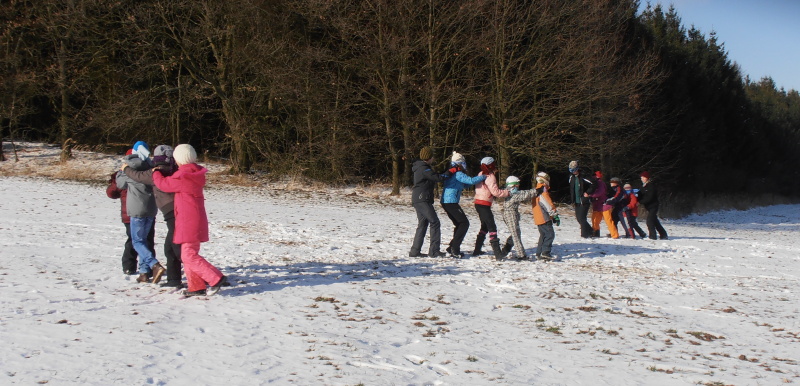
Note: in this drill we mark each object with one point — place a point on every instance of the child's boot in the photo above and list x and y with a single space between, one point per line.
498 252
507 247
479 244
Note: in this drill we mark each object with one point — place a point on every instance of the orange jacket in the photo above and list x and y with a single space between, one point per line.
543 209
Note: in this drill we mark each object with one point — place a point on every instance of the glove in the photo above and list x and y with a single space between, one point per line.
539 191
557 220
513 191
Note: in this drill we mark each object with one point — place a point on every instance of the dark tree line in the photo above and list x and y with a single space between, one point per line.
345 91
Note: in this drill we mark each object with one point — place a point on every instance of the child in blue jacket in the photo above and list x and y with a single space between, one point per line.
453 186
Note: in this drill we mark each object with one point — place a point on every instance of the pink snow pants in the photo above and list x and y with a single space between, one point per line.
199 272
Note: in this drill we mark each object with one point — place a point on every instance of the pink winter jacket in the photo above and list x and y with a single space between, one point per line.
487 190
191 222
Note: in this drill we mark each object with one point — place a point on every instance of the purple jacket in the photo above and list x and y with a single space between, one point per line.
599 196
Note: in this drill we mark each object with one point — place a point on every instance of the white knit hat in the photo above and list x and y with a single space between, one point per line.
543 178
457 158
487 161
184 154
512 180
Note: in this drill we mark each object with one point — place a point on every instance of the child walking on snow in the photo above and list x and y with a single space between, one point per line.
485 192
631 212
191 221
544 215
453 186
511 216
141 206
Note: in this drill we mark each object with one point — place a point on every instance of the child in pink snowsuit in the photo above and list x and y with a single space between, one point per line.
191 222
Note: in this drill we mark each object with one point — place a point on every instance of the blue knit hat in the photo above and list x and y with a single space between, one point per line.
141 149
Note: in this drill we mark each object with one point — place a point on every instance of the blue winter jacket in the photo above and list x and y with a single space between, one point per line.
455 184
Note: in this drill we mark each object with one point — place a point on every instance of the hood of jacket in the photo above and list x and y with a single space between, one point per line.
194 175
137 163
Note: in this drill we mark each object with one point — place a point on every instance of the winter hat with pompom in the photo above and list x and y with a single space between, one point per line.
184 154
457 158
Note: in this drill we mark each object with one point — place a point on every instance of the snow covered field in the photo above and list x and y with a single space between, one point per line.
324 295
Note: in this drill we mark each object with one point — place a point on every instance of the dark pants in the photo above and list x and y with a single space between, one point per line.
653 225
173 252
622 216
487 221
426 216
129 254
546 236
461 224
581 214
634 225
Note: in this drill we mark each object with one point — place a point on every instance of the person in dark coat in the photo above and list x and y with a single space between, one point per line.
648 196
581 187
162 158
425 179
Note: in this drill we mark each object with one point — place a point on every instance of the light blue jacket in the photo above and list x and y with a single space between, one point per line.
455 184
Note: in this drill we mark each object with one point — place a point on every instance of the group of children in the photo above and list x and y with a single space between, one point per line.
455 180
615 204
172 182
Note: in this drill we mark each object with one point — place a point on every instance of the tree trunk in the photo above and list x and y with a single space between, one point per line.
63 119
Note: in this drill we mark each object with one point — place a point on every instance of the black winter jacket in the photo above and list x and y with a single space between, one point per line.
425 179
580 184
648 195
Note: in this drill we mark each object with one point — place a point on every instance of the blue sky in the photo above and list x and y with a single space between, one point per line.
762 36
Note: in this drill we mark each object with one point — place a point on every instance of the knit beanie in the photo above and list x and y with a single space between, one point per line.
184 154
141 149
512 180
645 175
543 178
616 180
573 166
425 153
457 158
162 155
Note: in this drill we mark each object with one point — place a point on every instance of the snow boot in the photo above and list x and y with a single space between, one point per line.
143 278
596 233
479 244
188 293
498 252
215 288
507 247
454 253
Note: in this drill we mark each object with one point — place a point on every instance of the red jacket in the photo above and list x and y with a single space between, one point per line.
633 205
112 191
191 222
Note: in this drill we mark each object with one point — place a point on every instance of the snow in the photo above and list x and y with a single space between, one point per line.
324 293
